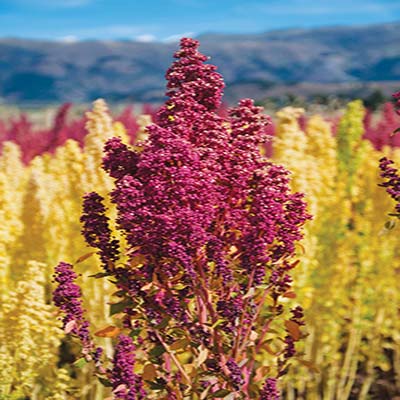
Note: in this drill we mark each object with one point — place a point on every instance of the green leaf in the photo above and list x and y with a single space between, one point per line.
135 333
179 286
119 293
157 351
163 324
80 363
216 323
104 381
116 308
99 275
219 394
158 385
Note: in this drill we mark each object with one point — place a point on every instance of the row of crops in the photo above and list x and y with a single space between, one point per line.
202 275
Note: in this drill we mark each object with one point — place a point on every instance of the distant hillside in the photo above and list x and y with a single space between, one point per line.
277 62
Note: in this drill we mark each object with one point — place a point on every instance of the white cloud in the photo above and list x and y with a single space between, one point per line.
145 38
68 39
116 32
177 37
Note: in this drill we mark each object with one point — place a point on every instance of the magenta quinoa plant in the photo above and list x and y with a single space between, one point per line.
391 183
391 174
203 283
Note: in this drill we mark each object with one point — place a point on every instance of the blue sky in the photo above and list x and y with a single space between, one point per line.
166 20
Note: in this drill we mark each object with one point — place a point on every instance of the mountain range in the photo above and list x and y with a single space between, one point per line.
300 61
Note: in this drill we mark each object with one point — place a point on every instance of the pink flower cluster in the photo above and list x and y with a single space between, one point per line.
380 133
35 141
396 96
269 391
67 297
96 230
126 384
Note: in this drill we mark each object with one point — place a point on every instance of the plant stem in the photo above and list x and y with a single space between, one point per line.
173 358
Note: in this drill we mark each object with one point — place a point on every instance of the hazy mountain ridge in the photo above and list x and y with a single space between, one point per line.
32 70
